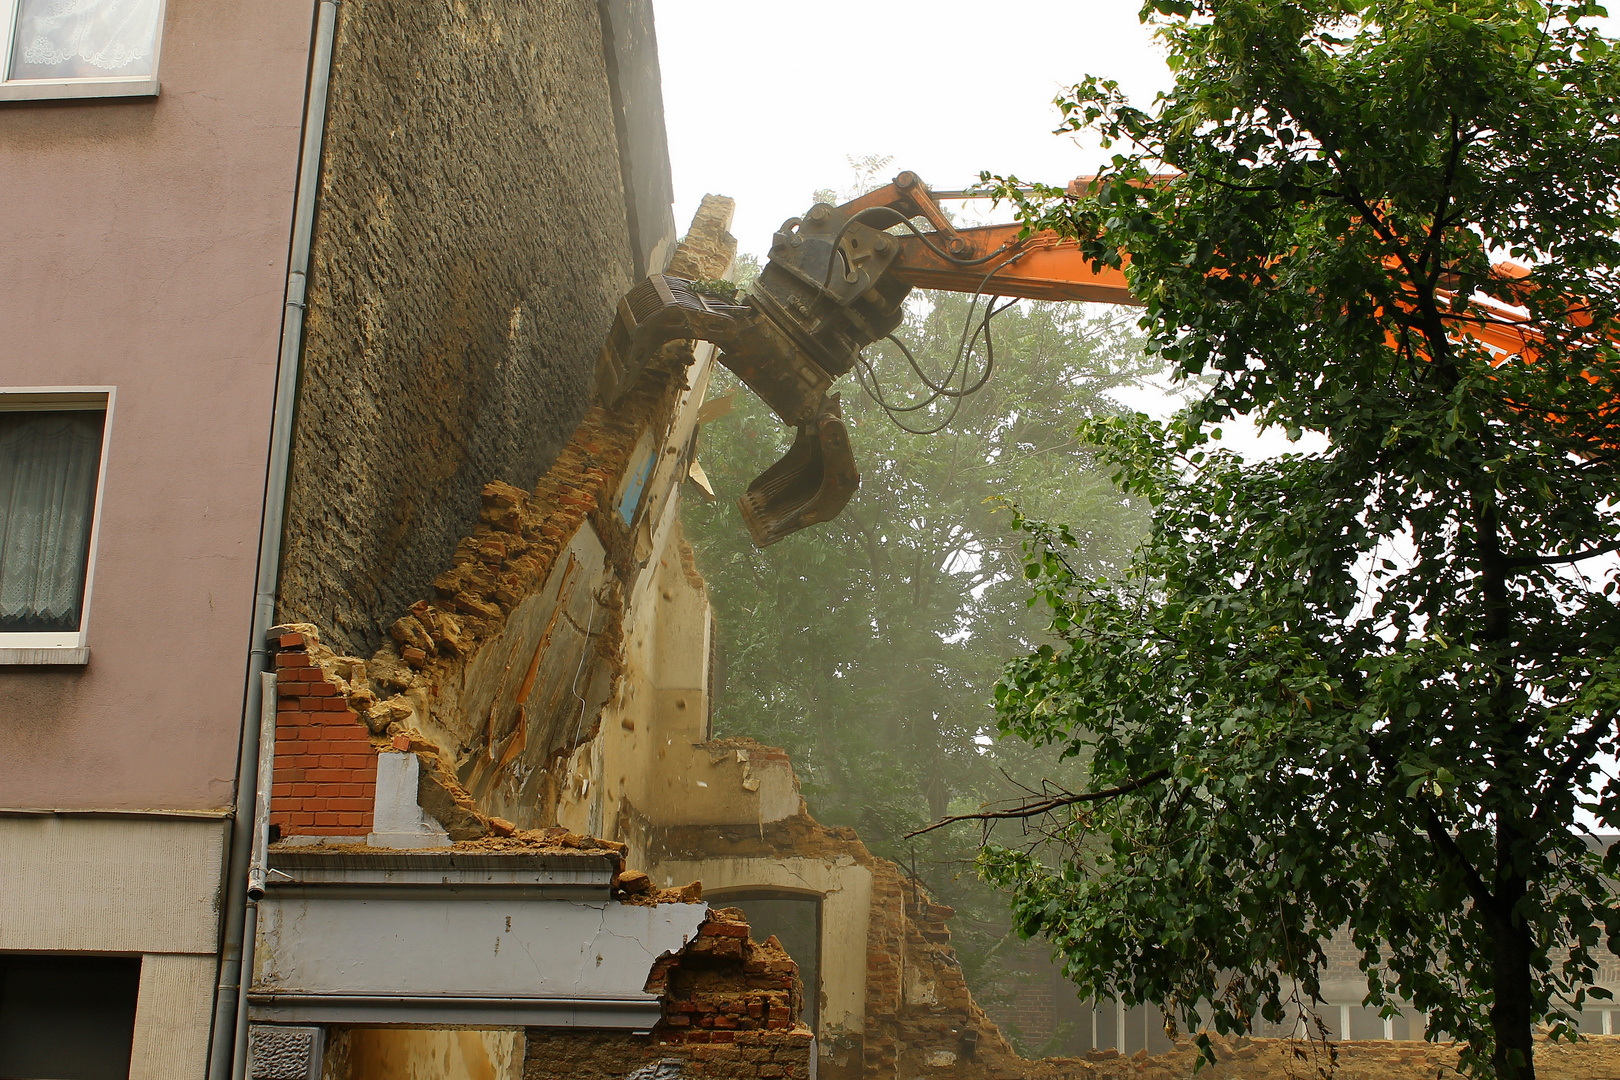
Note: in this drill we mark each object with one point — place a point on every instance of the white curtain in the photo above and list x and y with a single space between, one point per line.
48 466
75 39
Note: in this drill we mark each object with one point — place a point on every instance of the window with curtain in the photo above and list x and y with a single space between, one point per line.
49 463
107 40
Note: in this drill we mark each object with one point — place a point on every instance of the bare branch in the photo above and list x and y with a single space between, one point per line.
1046 806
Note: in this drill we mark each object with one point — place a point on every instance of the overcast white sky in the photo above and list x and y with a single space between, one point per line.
764 100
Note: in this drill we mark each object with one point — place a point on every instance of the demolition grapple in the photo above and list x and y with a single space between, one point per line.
835 283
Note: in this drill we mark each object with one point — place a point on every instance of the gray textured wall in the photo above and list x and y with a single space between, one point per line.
471 243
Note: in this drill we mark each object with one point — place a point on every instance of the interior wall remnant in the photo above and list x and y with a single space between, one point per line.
732 860
499 680
794 919
419 1054
895 1003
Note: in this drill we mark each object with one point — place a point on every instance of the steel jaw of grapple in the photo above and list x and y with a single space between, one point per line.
658 310
811 482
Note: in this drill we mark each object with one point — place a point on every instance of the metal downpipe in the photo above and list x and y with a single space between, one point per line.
236 951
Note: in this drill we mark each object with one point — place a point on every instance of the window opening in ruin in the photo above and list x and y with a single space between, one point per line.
51 467
67 1017
795 919
79 48
636 484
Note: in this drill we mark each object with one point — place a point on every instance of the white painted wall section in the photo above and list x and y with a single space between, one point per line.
483 948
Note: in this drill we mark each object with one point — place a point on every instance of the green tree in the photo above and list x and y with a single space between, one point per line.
1369 685
868 646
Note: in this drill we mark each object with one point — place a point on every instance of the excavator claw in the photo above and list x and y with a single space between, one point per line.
811 482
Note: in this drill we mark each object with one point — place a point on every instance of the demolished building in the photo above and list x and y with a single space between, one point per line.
500 838
550 697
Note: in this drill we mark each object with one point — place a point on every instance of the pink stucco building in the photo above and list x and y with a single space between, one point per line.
167 201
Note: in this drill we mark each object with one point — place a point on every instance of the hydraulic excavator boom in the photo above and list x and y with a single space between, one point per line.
836 282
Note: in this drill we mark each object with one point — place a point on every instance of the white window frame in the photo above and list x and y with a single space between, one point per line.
86 87
70 646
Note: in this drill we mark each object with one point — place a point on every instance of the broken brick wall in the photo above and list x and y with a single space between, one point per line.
723 982
471 243
553 1054
325 778
919 1016
502 669
729 1010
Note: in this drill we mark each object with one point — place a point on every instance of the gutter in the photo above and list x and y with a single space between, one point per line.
236 951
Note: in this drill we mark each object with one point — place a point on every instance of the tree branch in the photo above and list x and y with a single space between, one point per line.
1047 805
1583 746
1431 254
1553 560
1448 849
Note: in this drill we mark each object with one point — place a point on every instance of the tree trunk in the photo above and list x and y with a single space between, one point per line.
1513 1057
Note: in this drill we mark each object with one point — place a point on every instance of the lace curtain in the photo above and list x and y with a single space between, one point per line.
48 466
77 39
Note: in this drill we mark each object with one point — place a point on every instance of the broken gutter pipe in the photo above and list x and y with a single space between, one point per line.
224 1062
267 768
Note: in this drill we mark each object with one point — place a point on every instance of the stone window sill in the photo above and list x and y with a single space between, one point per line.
77 657
56 89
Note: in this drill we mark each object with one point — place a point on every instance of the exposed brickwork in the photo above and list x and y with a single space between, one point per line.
408 689
325 781
724 982
918 1006
513 552
510 556
1032 1012
553 1054
708 248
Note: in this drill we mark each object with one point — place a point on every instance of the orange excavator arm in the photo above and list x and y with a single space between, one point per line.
988 259
836 281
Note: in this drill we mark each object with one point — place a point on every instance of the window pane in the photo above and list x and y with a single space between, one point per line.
84 39
67 1017
48 466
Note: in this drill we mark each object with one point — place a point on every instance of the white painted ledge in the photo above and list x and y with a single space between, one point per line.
36 657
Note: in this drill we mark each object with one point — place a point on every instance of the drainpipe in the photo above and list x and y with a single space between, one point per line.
235 945
258 863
